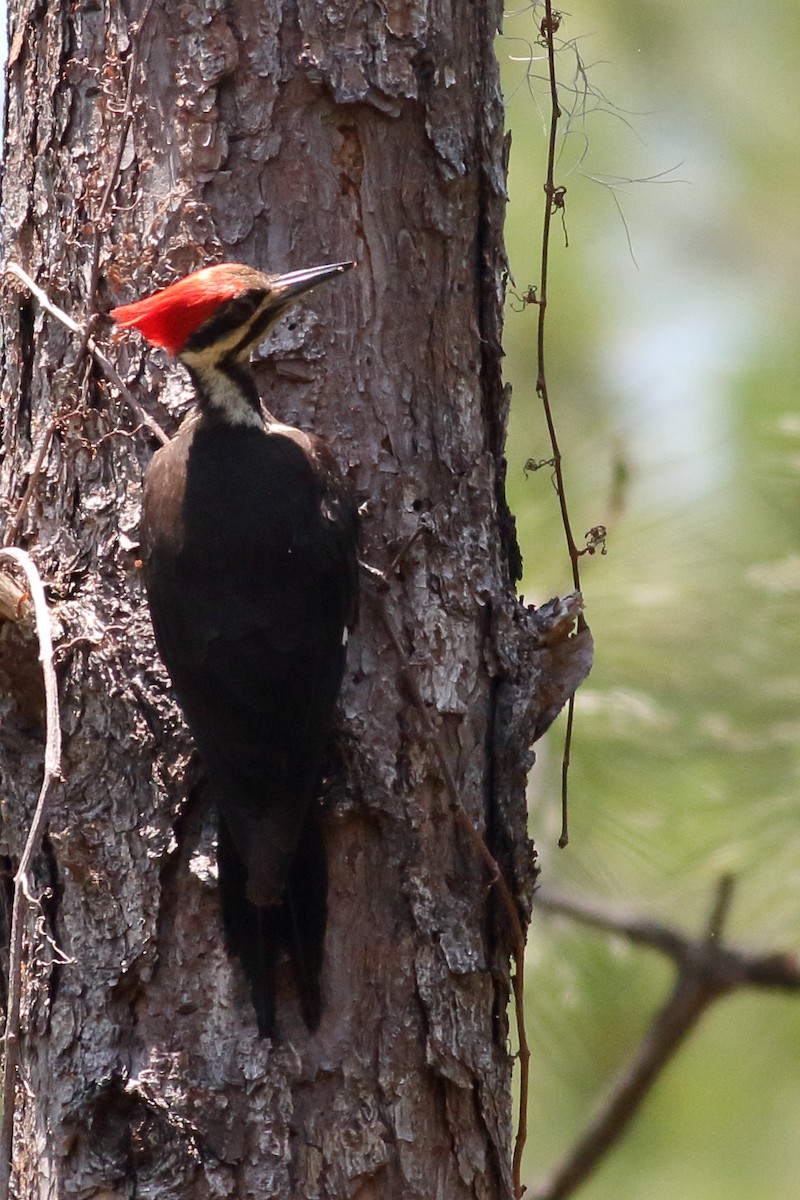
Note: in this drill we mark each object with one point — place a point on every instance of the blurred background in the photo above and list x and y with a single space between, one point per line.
672 365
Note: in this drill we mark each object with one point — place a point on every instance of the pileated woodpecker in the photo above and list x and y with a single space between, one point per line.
249 542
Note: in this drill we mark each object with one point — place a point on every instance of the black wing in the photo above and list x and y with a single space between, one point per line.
249 543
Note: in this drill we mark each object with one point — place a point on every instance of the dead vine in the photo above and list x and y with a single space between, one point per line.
23 898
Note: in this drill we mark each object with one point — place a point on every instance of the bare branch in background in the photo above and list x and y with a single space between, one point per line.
706 970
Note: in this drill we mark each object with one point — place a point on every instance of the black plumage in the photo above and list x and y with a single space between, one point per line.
249 542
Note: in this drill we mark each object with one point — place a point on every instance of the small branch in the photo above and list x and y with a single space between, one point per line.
706 970
22 886
554 198
496 878
12 529
722 907
554 202
107 367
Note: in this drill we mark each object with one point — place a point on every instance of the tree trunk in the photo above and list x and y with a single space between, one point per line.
282 139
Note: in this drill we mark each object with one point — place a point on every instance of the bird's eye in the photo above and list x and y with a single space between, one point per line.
231 316
241 308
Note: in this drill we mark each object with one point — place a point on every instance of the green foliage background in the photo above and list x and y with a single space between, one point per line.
673 366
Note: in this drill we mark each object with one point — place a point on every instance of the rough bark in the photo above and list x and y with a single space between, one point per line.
281 136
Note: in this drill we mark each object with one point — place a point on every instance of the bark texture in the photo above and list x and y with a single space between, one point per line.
284 136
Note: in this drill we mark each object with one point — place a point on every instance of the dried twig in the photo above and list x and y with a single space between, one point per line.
105 365
496 878
706 970
22 885
554 202
12 528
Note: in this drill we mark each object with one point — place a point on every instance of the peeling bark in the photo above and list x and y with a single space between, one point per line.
281 137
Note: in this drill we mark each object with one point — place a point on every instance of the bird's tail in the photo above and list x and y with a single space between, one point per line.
307 913
259 934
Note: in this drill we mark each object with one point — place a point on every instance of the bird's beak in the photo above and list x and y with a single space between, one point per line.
285 288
